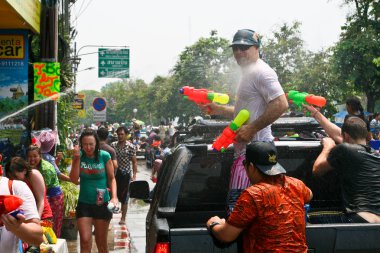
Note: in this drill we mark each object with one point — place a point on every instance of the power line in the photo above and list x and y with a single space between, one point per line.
80 14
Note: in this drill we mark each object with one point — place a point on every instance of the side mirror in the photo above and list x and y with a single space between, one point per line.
139 190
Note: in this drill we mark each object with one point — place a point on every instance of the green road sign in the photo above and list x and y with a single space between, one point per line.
113 63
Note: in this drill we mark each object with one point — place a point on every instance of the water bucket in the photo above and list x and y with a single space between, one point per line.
375 144
69 229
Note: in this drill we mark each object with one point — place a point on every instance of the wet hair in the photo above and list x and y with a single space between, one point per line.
122 128
102 133
34 147
91 132
355 127
355 105
17 164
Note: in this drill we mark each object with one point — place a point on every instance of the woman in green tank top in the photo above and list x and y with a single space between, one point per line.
95 169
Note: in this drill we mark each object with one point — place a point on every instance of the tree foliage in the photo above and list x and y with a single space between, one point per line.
285 52
356 52
350 67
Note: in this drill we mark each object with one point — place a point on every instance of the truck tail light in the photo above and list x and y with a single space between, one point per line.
162 247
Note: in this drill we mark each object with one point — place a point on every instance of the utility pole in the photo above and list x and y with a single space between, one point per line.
46 114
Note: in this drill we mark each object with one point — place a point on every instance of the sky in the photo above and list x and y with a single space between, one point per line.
157 31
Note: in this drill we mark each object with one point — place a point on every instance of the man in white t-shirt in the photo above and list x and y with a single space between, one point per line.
26 227
261 94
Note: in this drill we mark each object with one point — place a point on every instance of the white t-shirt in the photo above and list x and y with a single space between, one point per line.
258 86
8 241
171 131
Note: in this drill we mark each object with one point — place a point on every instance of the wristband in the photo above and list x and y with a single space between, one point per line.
213 224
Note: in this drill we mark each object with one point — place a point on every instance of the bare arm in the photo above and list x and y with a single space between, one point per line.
64 177
321 165
331 129
29 231
74 173
223 232
38 188
111 181
275 109
215 109
115 165
134 167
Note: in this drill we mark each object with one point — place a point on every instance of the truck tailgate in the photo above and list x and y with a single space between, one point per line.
185 240
343 238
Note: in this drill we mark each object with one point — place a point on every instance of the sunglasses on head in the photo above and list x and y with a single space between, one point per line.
241 47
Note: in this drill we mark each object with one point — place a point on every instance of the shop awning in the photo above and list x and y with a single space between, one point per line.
16 14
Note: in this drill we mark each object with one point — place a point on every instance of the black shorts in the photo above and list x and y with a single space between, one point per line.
93 211
122 183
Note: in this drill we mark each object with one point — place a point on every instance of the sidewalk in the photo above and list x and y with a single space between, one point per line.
118 239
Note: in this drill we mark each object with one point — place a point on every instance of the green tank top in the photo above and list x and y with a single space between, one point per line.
93 176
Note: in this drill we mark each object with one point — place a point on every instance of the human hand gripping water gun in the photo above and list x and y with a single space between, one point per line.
300 98
203 96
10 204
228 135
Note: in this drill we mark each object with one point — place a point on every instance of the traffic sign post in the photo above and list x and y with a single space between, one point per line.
113 63
100 110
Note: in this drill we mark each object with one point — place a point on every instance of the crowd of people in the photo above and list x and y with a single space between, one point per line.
34 178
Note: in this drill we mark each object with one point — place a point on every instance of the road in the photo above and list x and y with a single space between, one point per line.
129 238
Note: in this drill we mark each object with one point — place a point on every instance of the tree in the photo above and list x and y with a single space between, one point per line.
354 54
285 53
123 97
206 64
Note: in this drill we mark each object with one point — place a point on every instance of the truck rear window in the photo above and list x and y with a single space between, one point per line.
205 184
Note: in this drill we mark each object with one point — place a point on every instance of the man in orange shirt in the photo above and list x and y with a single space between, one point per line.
271 211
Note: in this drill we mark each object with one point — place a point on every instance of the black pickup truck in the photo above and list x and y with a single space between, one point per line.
193 183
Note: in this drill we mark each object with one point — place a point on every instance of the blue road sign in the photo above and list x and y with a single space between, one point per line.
99 104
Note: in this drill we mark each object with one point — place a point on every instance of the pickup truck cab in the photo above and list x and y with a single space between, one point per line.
193 183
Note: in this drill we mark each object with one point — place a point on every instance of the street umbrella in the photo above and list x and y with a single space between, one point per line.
138 122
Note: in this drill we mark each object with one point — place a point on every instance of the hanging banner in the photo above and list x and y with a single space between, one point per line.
78 104
46 80
13 70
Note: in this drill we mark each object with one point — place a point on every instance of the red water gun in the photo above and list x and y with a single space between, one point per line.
228 135
203 96
10 204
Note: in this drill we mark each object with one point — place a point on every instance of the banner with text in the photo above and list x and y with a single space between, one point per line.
78 104
13 70
47 80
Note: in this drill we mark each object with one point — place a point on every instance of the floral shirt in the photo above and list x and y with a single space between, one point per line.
51 179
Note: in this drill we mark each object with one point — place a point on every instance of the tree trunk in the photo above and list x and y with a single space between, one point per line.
371 100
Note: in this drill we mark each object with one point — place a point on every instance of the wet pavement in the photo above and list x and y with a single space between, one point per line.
128 238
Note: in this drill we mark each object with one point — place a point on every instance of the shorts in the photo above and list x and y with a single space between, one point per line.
93 211
122 184
239 181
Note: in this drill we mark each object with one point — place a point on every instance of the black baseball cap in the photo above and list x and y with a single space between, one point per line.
264 156
246 37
